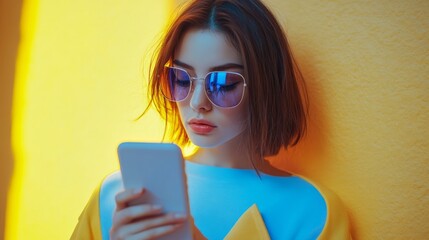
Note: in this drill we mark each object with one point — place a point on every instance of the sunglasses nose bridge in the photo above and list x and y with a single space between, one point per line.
198 95
194 80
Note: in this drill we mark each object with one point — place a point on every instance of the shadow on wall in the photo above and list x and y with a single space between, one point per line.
10 14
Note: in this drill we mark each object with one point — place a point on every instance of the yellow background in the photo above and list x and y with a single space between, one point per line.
79 86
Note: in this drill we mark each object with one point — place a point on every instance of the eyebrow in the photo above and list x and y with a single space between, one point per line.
222 67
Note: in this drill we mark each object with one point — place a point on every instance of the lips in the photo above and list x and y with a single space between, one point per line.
200 126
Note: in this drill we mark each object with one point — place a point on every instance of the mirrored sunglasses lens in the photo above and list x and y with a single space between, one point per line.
175 84
225 89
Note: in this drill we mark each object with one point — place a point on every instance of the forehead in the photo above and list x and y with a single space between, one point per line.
203 49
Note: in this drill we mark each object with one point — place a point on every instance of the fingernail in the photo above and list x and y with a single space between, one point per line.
139 190
179 215
156 207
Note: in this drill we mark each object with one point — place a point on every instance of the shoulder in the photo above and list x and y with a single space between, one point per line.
292 207
305 207
88 226
110 186
336 224
95 220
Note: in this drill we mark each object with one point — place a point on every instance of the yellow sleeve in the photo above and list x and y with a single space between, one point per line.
337 223
88 226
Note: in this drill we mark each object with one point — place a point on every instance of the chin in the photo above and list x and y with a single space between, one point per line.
205 141
213 141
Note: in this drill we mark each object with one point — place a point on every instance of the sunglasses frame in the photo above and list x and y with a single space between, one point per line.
191 89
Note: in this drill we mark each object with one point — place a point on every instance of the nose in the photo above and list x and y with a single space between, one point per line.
199 101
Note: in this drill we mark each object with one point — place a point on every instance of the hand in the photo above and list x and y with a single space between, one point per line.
143 221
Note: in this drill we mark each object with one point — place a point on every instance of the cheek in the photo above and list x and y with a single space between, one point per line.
245 117
238 117
243 109
245 113
182 106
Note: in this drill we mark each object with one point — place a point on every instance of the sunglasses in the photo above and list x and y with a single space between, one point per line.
223 89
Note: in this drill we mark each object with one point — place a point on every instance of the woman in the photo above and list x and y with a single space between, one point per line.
224 79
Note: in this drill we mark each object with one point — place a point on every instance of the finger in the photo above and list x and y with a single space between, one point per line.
156 232
123 198
149 223
132 213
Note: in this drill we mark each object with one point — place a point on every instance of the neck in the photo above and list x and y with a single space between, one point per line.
231 155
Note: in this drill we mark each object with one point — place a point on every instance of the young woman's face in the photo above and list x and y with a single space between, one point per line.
207 125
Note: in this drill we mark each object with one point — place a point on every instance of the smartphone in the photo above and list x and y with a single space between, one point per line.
160 169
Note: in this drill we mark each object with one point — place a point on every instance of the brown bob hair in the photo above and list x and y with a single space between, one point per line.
277 99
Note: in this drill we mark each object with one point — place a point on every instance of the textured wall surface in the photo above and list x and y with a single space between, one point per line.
366 67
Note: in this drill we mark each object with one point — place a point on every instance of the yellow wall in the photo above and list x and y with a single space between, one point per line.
366 66
78 88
